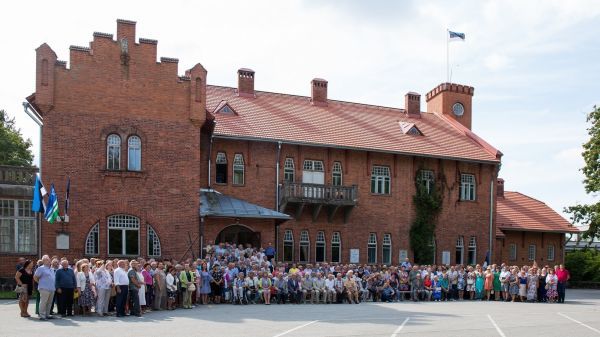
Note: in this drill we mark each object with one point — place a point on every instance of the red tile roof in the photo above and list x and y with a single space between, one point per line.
516 211
294 119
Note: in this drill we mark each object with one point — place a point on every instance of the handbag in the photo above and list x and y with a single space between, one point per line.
113 291
19 289
547 286
191 287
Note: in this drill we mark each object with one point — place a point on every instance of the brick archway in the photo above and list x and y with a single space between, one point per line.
238 234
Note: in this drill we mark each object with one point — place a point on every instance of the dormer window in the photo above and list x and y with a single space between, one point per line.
409 129
224 108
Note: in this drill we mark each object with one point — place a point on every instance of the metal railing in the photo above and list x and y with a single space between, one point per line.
17 175
317 193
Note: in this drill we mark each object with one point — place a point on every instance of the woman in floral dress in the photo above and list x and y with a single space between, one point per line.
460 284
87 297
551 284
471 282
513 282
532 284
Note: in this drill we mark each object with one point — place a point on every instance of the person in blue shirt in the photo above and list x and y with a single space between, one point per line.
270 252
65 284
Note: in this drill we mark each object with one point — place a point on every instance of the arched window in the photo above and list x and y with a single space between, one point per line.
472 251
123 235
92 240
113 152
153 243
460 250
320 247
221 168
238 169
288 170
304 247
372 249
387 249
336 174
288 246
336 247
134 154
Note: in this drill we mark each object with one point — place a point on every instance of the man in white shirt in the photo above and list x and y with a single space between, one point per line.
122 283
330 296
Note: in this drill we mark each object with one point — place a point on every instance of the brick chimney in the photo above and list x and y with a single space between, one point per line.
318 92
245 82
452 100
500 187
412 104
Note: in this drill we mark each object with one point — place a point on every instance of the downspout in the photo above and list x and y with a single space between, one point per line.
210 159
277 199
492 184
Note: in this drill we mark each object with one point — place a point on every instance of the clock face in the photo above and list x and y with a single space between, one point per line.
458 109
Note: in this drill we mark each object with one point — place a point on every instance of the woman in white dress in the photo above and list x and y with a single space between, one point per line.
142 290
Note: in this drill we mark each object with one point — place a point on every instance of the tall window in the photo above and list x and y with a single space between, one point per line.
153 243
134 154
92 241
426 180
372 249
288 246
531 253
288 170
387 249
460 250
221 168
123 235
336 247
17 227
304 247
238 169
113 152
467 187
380 180
336 174
512 252
550 253
320 247
472 251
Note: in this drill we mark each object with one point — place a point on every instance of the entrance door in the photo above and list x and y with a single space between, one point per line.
239 235
313 173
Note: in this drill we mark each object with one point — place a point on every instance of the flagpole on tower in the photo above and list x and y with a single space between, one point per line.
447 55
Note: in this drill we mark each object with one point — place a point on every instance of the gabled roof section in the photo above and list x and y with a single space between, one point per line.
410 129
217 205
294 120
224 108
518 212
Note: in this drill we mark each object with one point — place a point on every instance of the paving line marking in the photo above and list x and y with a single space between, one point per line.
296 328
400 327
580 323
496 326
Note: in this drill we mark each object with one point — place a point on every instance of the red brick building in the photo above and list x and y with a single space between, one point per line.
163 164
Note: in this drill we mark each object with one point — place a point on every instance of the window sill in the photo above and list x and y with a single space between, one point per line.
124 174
381 194
221 184
238 185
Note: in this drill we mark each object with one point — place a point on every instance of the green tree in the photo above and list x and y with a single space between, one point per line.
589 214
427 207
14 150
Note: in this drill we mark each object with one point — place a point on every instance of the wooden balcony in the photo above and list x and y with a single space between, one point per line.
333 198
17 175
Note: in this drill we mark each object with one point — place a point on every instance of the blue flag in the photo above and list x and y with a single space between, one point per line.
38 205
52 210
455 36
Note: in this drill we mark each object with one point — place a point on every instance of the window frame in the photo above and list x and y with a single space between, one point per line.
472 248
550 249
531 253
237 166
139 151
304 242
386 245
94 230
22 227
123 230
117 151
151 234
372 248
221 167
289 168
336 243
287 241
427 180
468 189
460 247
320 244
512 252
380 180
337 174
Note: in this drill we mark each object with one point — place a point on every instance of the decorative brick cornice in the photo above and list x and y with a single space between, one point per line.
169 60
104 35
80 48
148 41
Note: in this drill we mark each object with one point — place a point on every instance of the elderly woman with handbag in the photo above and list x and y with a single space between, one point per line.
187 279
24 289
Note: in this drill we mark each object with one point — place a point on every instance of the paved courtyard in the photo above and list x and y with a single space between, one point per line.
580 317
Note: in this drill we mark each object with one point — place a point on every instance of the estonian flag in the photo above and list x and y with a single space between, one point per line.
39 192
52 210
454 36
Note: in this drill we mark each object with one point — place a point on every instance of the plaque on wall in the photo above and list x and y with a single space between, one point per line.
62 241
354 255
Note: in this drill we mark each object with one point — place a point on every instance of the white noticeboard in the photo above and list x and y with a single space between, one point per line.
354 255
62 241
403 255
445 257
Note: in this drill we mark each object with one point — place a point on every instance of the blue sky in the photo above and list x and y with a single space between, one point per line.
534 64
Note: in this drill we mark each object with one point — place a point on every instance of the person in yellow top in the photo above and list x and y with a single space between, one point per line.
187 278
351 288
294 269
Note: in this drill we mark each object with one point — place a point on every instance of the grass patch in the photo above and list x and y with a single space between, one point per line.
7 295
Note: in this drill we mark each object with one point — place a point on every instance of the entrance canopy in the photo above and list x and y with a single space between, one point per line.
217 205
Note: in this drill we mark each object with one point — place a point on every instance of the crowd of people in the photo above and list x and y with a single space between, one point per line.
246 275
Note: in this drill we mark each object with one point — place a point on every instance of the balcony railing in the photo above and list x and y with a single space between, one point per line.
17 175
315 193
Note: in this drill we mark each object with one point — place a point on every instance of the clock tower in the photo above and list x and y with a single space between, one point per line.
452 100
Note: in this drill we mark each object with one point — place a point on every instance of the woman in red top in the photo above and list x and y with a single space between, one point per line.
427 287
489 282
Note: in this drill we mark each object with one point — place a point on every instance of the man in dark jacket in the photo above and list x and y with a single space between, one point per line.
65 284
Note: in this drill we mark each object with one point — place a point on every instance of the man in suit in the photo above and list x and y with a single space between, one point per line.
294 288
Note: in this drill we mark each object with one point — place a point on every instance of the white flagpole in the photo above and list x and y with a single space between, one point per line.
447 55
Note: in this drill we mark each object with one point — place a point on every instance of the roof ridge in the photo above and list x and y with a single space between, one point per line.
471 135
527 196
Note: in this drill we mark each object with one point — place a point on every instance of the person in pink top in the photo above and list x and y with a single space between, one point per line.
563 276
149 285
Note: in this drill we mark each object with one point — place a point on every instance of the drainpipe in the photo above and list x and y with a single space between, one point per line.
492 184
277 199
210 159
